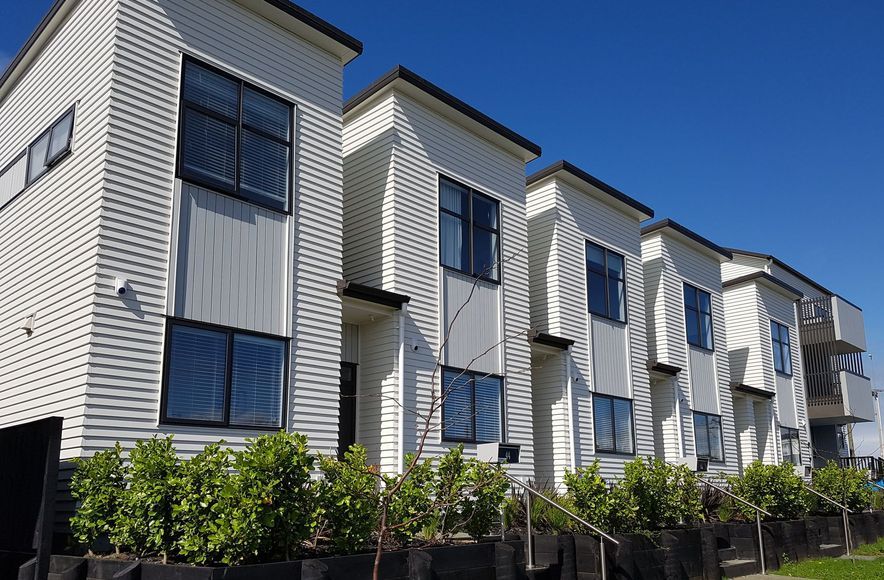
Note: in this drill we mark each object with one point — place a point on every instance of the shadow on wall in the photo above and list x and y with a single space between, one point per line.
738 358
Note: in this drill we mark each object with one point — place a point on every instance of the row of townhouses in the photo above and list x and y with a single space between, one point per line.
198 236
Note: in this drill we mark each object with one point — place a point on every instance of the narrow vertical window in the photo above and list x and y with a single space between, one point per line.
613 422
472 406
698 317
605 282
469 231
791 444
707 436
782 351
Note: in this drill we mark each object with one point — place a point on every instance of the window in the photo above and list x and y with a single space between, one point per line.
50 147
235 138
698 316
471 407
605 282
217 376
782 353
613 424
707 436
791 445
469 231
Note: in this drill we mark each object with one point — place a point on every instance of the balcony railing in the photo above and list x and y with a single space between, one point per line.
874 465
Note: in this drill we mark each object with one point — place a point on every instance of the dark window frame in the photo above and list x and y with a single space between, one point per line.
613 451
795 435
472 376
228 376
708 435
49 162
239 126
471 226
696 308
781 360
608 279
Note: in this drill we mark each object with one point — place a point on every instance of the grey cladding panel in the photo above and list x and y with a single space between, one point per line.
704 383
232 266
610 357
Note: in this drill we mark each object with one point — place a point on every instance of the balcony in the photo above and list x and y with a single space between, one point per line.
874 465
831 319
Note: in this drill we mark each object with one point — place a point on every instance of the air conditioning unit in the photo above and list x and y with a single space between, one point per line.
497 452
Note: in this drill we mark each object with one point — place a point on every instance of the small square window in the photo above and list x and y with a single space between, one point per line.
613 422
472 408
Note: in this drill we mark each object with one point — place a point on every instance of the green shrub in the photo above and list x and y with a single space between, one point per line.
848 486
98 484
589 493
267 507
410 507
480 508
145 523
348 500
774 488
199 489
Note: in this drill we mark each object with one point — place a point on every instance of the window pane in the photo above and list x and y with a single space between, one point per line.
690 296
209 148
257 381
623 425
454 198
488 408
615 266
784 334
484 211
211 90
787 359
705 305
595 258
197 368
597 297
778 356
454 242
603 420
265 169
457 407
616 299
260 111
484 253
714 425
692 323
60 138
701 435
37 158
706 330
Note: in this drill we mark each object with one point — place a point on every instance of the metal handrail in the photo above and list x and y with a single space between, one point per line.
758 512
602 535
878 485
844 511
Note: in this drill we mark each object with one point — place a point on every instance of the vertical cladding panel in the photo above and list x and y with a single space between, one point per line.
350 343
232 263
786 402
471 318
150 38
49 232
610 358
704 383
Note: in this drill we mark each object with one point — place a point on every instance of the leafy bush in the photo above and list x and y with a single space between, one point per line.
268 505
348 500
480 508
774 488
98 483
200 486
410 507
589 493
848 486
145 523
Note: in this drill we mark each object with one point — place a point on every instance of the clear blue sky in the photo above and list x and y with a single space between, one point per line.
758 124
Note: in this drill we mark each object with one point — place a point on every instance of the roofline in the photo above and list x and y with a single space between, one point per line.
553 341
372 294
785 267
293 10
399 72
752 390
675 226
764 276
582 175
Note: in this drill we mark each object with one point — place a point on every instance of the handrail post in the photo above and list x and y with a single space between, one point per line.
760 542
502 525
602 552
530 531
846 530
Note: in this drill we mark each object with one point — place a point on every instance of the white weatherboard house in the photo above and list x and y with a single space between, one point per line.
434 221
766 369
171 222
590 378
688 349
831 341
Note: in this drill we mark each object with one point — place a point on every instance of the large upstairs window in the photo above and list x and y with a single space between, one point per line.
782 352
605 282
234 137
698 316
219 376
469 231
472 408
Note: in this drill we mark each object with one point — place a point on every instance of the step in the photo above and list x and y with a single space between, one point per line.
737 568
745 547
541 572
727 554
831 550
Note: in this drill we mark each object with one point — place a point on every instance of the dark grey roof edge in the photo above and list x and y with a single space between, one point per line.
412 78
563 165
785 267
372 294
752 390
763 276
553 341
293 10
672 224
661 367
